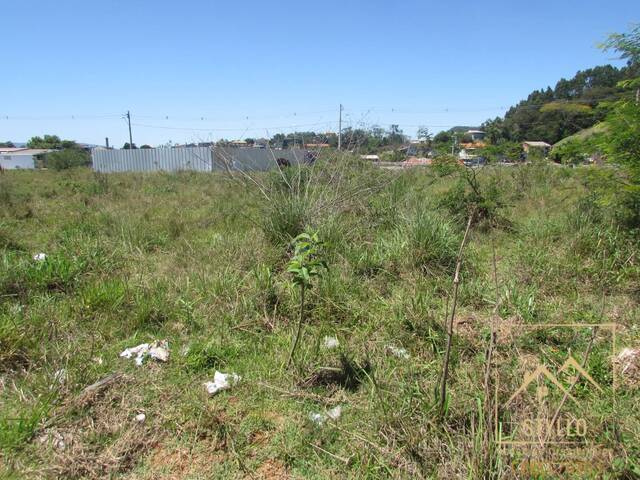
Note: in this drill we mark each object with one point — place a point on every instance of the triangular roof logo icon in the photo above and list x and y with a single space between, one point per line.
570 362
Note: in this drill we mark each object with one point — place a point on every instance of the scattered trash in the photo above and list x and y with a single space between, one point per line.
221 381
160 351
156 350
98 360
54 438
60 376
140 351
628 361
321 418
330 342
398 351
40 257
141 417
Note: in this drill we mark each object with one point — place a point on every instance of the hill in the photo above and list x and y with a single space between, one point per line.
552 114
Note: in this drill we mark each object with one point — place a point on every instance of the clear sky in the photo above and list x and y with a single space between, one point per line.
194 70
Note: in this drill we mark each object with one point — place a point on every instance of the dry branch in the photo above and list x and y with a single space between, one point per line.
449 326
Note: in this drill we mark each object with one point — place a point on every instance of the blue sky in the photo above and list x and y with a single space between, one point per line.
196 70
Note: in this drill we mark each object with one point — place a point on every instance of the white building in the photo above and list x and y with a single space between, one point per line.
20 158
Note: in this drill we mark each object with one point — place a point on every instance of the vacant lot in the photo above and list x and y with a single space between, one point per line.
201 260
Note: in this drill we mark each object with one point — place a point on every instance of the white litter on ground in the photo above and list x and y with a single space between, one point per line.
156 350
330 342
221 381
398 351
55 439
159 351
321 418
60 376
141 417
40 257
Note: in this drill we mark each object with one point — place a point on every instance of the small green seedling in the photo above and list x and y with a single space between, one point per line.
305 264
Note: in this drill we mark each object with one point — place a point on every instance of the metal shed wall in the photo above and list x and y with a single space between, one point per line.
152 159
202 159
17 162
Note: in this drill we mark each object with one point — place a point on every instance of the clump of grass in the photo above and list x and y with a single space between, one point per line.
349 375
14 342
58 273
432 242
19 426
7 241
153 309
202 357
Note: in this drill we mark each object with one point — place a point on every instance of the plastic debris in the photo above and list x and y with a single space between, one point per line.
156 350
221 381
321 418
141 417
139 352
398 351
159 351
53 438
330 342
40 257
60 376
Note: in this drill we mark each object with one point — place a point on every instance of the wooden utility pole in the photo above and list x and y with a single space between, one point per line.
340 128
130 137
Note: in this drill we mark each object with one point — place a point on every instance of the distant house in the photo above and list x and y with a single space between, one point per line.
544 147
21 158
476 135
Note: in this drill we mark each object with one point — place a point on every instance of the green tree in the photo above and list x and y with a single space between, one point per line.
424 135
621 141
128 146
7 144
50 142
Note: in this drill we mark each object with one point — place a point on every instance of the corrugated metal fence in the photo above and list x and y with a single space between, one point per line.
201 159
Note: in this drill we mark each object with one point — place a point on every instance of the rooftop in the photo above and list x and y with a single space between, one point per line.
24 151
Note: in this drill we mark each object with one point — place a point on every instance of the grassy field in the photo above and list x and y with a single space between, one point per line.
200 260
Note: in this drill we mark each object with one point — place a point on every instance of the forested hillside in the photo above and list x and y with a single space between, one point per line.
553 113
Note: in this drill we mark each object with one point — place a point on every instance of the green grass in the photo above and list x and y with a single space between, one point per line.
200 260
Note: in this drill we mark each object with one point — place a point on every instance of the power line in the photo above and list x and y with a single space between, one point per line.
388 109
166 127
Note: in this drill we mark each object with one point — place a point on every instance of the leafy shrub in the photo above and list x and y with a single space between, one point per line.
445 165
468 194
68 158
